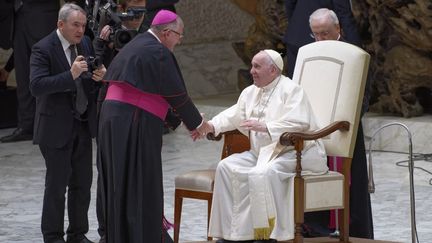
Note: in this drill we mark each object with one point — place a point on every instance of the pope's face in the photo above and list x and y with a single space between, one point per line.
74 27
262 72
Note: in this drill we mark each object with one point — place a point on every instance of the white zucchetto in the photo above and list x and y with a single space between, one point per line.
276 58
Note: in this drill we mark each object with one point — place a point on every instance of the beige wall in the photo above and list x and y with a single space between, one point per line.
213 20
206 57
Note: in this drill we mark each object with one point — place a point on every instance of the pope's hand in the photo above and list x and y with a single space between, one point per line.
254 125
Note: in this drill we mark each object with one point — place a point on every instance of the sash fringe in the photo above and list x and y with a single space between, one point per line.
264 233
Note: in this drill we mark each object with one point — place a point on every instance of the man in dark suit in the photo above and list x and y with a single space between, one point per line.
298 33
33 19
324 25
65 122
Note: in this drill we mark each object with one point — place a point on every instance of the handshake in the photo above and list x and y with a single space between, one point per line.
247 125
202 130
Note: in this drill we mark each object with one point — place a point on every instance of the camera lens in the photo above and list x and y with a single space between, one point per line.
124 37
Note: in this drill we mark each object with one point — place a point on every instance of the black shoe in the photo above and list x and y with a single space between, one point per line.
83 240
17 135
59 241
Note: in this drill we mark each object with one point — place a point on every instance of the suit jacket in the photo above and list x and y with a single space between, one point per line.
298 12
52 84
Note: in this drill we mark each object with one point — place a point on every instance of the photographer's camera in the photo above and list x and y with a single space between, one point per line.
93 63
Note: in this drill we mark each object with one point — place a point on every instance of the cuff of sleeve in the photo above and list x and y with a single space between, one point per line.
202 121
216 128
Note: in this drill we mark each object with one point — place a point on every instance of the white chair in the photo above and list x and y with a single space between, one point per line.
333 75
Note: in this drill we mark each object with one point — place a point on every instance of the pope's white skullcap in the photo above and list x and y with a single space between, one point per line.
276 58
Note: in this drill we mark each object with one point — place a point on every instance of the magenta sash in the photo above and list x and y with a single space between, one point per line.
126 93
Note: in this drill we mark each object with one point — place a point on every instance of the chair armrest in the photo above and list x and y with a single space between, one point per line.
211 136
291 138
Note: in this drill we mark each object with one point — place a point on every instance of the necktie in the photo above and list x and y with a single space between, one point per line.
81 98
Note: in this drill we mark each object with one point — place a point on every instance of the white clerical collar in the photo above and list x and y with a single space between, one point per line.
64 42
151 32
272 84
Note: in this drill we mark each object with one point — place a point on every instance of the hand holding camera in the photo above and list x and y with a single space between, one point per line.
99 73
78 66
88 67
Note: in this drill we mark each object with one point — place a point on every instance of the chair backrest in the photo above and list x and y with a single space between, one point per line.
333 75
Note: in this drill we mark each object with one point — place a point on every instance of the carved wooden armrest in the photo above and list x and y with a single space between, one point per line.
293 138
297 139
211 136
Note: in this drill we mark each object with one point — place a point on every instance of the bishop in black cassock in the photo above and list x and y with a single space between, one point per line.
145 80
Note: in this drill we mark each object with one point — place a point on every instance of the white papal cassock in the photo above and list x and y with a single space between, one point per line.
253 191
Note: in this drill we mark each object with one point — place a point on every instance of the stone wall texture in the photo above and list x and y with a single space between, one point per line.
398 35
221 36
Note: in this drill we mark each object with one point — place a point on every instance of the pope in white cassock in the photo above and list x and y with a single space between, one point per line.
253 191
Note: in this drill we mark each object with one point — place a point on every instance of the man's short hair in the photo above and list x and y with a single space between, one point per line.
67 9
324 13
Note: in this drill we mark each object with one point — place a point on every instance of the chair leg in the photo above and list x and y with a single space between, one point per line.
344 227
209 205
178 202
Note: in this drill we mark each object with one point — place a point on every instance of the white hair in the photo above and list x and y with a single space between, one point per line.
324 13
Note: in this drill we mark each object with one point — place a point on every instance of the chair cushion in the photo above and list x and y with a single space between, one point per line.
196 180
323 192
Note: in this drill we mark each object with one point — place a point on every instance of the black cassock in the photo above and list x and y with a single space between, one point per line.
130 141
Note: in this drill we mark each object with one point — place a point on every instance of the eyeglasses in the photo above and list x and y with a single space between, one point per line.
320 34
180 35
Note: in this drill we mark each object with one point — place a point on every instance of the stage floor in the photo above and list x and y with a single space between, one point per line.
22 173
322 240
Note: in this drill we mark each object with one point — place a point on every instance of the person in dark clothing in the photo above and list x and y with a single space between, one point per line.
65 123
106 50
33 20
324 25
298 33
153 7
145 80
